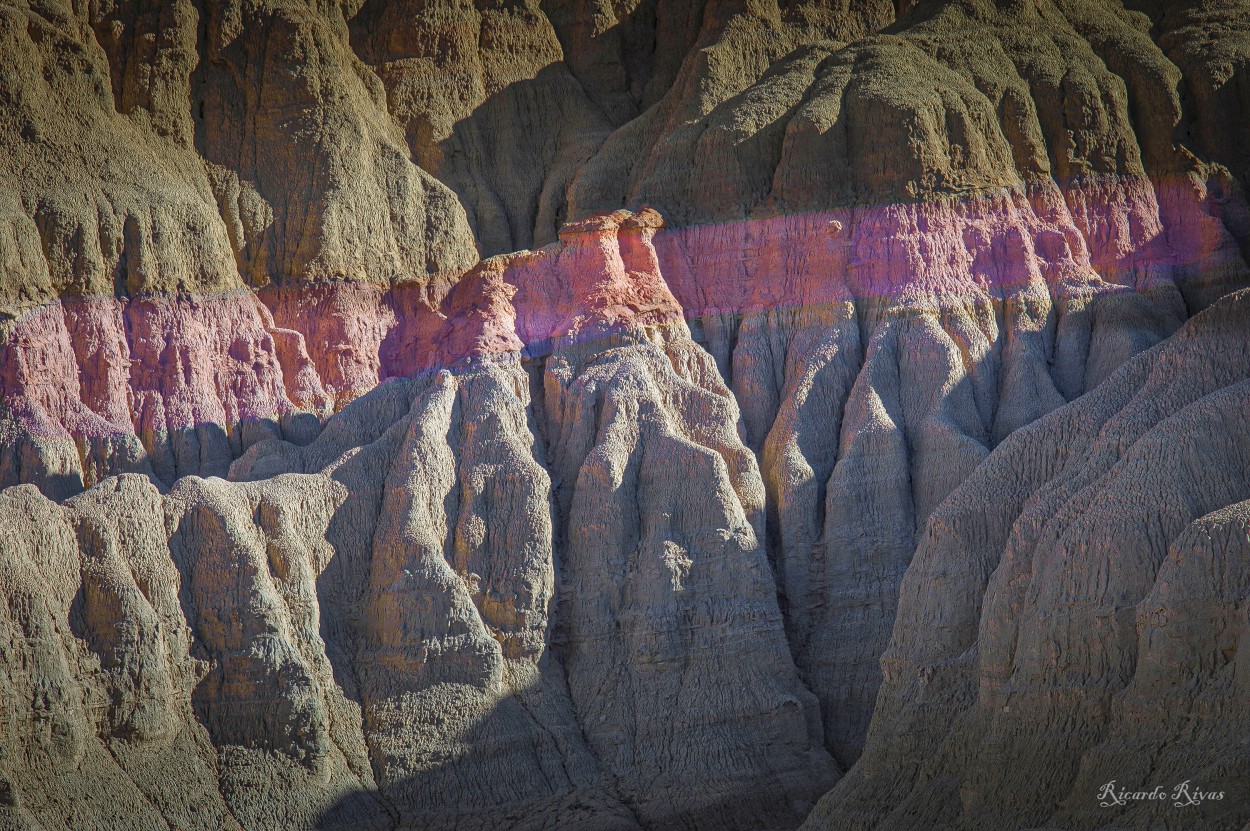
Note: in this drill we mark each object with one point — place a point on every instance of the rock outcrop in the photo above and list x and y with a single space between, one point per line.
163 663
472 591
867 404
1079 602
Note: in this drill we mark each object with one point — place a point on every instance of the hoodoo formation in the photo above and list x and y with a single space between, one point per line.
607 415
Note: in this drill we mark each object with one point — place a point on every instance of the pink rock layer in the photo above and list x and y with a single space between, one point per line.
196 380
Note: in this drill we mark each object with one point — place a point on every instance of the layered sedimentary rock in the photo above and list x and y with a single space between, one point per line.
408 604
345 528
1006 258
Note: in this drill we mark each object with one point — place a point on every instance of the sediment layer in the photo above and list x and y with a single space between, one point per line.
314 520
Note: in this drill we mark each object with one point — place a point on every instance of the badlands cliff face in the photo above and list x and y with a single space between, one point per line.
644 414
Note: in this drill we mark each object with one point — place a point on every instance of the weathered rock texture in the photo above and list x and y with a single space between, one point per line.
319 521
163 662
473 591
1079 602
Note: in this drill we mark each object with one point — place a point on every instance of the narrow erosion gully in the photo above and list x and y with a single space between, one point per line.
888 386
169 367
871 359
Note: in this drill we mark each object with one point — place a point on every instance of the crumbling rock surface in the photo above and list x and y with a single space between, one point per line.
313 518
162 658
424 602
1079 602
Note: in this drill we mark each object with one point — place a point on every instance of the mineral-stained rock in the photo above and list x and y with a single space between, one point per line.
465 686
153 385
314 520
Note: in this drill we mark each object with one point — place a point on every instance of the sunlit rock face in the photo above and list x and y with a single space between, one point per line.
856 445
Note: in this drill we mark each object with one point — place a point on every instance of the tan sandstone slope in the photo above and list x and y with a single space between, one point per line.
314 518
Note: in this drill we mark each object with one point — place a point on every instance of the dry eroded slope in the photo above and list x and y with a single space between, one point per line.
635 558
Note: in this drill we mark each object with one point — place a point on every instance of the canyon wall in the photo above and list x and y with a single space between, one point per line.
865 412
1079 602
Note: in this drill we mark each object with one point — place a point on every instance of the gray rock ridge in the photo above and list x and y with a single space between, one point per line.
552 534
497 556
277 569
126 692
1111 533
697 582
380 629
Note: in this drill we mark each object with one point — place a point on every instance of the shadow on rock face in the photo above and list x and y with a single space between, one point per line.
606 654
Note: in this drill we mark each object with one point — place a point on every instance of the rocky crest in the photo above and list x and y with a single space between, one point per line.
865 416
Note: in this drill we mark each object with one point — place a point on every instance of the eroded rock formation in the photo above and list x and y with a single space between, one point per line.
1079 602
314 520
